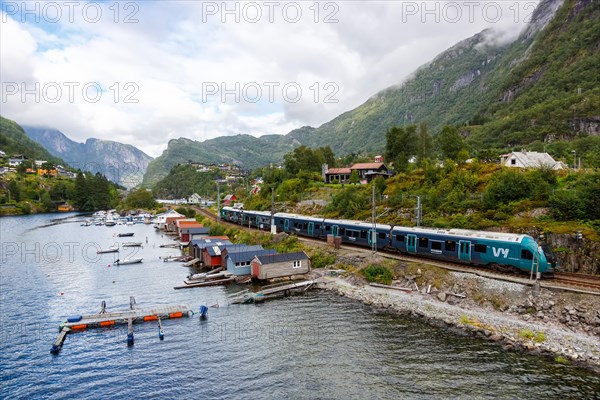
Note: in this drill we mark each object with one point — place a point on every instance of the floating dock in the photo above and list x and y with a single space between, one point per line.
110 319
202 283
270 291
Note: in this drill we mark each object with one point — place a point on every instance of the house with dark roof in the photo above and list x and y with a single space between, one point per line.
366 172
213 256
339 175
280 265
188 233
369 171
239 263
197 245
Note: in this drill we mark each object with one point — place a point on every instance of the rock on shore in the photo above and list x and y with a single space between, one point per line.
539 325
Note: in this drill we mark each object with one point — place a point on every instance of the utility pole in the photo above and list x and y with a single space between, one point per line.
273 228
418 211
374 221
218 202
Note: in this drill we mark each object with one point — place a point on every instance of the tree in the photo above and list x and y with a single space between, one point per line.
567 205
14 190
81 192
354 178
424 146
450 142
400 146
140 198
505 187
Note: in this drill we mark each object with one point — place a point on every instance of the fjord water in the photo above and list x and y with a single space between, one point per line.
312 346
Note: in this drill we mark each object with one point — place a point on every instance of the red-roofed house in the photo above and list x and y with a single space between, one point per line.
229 199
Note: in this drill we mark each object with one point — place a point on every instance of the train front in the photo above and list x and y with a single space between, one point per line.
544 256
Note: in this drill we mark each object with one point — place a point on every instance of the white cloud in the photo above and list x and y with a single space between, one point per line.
177 50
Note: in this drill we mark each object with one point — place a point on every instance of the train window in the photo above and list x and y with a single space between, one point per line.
305 226
480 248
526 255
435 245
450 245
423 242
343 231
317 226
363 234
382 235
328 228
400 238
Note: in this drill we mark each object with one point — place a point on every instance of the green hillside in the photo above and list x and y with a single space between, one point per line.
555 92
245 150
539 90
13 140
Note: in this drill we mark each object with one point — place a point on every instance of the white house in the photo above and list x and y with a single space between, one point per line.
194 199
16 161
2 154
530 159
160 219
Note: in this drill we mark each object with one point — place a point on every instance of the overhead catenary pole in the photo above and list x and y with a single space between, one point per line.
418 211
273 228
373 220
218 202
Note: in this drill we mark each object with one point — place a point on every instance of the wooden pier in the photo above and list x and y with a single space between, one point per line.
270 291
127 317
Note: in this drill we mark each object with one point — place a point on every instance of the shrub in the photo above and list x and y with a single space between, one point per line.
321 259
378 273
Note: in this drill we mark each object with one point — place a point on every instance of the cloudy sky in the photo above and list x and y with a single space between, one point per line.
146 72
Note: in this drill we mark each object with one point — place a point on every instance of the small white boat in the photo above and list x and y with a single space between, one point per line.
132 244
193 279
128 261
109 250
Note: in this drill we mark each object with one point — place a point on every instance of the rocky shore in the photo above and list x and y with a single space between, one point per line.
560 325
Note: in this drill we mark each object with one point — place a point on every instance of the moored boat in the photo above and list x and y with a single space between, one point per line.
109 250
128 261
132 244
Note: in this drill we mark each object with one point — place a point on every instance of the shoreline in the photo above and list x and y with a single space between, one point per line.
510 331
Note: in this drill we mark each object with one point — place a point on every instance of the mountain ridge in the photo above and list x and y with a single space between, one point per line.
121 163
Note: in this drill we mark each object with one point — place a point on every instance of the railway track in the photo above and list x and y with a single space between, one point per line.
579 280
589 284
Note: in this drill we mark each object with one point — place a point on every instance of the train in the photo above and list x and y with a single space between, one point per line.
494 250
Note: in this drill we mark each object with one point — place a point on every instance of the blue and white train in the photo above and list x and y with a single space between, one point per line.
501 251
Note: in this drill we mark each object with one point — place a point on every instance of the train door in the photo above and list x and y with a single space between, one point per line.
286 225
411 243
335 230
464 250
371 237
311 228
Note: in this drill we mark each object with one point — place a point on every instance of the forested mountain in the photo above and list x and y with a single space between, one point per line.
245 150
14 140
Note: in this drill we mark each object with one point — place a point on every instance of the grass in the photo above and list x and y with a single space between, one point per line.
537 337
561 360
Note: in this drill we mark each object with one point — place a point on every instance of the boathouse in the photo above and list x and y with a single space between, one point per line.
197 245
239 263
214 256
190 233
280 265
